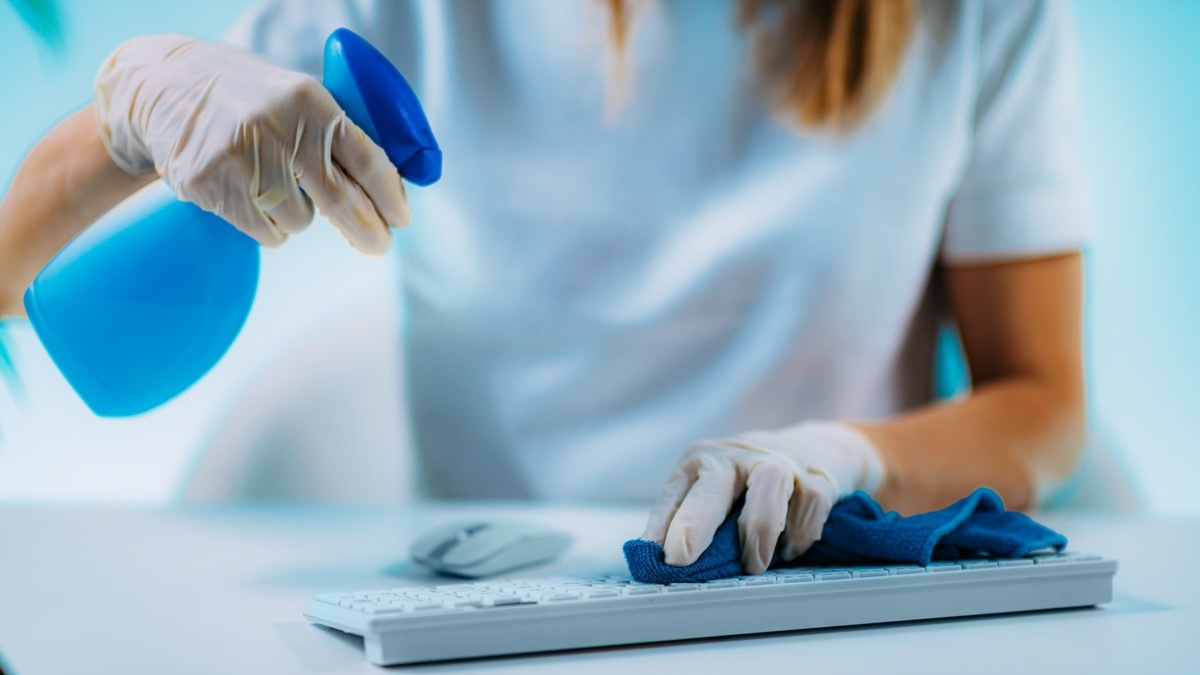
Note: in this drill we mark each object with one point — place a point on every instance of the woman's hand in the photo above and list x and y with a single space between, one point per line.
792 477
240 137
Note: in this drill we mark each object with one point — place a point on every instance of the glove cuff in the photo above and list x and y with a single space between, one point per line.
119 109
869 470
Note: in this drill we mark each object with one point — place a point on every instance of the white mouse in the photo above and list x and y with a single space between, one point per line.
481 548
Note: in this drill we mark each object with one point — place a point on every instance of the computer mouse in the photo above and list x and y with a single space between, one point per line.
482 548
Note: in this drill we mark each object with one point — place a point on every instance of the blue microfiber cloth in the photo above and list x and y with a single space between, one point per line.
859 532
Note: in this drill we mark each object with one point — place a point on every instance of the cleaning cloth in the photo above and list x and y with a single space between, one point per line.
859 532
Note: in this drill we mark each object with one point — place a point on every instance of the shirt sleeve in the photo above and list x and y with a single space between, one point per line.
1023 191
293 32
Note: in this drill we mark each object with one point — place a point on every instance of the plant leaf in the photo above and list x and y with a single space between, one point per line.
43 18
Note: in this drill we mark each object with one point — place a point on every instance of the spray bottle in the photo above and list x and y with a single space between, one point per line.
143 303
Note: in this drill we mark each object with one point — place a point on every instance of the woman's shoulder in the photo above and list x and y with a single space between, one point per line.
995 27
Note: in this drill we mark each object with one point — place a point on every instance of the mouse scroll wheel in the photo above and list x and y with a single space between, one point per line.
456 539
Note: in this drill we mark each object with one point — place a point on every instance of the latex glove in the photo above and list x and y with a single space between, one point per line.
792 477
240 136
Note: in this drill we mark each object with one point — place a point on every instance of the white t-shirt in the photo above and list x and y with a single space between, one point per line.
588 294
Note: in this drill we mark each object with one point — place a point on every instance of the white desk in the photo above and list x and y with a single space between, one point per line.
221 590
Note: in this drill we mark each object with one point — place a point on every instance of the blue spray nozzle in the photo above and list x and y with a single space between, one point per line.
377 98
145 302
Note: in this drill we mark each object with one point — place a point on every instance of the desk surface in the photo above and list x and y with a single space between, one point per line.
221 590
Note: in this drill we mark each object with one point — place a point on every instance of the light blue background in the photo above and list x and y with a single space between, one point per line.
1141 94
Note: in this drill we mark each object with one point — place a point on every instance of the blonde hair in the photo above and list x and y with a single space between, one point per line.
828 62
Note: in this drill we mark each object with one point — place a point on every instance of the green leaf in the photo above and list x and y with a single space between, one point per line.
8 369
43 17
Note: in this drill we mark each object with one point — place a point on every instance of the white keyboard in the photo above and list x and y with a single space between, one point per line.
415 624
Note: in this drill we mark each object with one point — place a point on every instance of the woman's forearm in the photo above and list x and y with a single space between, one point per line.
1024 422
1009 434
66 182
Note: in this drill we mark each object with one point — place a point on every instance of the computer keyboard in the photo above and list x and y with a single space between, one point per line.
489 618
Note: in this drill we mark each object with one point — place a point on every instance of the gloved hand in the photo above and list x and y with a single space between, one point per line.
239 136
792 477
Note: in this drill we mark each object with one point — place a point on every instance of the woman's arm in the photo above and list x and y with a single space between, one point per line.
1023 423
66 182
1024 420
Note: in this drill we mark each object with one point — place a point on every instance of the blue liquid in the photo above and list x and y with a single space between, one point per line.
146 301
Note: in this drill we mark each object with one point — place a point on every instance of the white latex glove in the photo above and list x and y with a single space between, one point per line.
240 136
792 477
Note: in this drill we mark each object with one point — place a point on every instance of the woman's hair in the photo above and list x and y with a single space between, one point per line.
827 62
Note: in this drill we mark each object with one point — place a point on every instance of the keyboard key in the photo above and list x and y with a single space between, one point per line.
941 566
868 573
501 601
721 583
757 581
425 606
978 564
901 570
386 609
1014 562
519 604
644 589
795 578
832 575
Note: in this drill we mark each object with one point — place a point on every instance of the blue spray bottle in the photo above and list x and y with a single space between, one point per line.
142 304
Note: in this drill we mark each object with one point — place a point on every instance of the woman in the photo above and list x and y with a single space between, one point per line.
659 223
